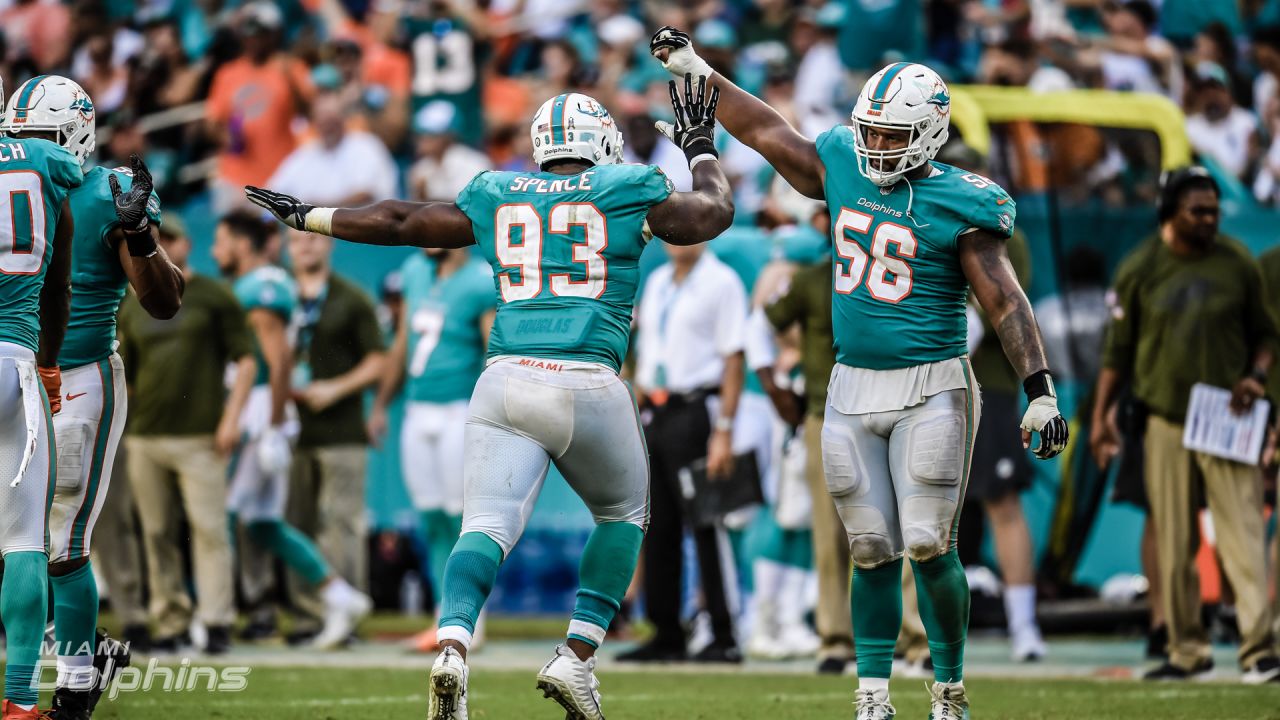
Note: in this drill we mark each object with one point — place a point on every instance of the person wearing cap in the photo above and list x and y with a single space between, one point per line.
340 166
252 103
182 429
1188 307
444 165
1217 127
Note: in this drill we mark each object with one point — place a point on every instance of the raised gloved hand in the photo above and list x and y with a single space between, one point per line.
695 125
274 451
1043 417
290 210
131 208
674 49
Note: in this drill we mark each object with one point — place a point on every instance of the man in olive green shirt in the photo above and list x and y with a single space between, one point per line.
338 354
1189 308
182 428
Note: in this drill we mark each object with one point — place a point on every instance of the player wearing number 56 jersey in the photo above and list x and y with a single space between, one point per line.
564 244
910 236
36 177
438 353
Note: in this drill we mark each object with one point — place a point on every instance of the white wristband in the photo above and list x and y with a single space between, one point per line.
724 424
699 158
320 220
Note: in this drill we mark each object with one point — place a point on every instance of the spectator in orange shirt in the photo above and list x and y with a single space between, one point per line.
252 104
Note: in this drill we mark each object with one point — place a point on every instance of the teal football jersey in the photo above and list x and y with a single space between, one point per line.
35 178
899 289
97 281
271 288
446 348
565 252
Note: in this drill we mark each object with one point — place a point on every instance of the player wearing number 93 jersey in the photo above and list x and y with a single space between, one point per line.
564 244
910 236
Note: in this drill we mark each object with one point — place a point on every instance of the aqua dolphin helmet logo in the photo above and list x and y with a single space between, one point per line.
83 105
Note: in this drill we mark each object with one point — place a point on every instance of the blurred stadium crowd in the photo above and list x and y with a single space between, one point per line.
343 102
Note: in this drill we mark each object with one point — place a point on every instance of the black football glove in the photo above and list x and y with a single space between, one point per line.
131 208
290 210
695 126
1043 416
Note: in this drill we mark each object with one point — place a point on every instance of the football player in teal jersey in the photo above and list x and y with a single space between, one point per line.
114 246
910 236
564 243
260 471
438 354
36 227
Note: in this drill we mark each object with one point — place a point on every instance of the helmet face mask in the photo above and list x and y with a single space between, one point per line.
574 126
54 104
907 99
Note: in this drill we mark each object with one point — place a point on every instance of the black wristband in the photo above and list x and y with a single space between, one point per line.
699 145
1039 384
141 244
1259 374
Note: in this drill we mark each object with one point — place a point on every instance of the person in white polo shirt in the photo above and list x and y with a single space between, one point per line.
689 375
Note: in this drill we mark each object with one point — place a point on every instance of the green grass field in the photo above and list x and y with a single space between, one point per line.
344 694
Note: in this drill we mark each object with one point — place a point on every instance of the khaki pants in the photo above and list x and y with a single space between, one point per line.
164 470
830 553
1175 478
120 560
326 501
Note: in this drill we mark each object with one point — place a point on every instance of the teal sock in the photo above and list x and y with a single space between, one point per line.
943 591
75 611
797 548
440 531
295 549
468 579
876 601
608 562
24 602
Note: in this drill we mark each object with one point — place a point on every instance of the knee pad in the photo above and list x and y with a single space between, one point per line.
870 550
925 542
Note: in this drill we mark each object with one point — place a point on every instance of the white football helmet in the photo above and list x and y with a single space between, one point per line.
574 125
902 96
52 103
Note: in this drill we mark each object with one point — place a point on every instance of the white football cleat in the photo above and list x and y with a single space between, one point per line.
873 705
949 702
448 687
1026 644
572 683
798 641
341 619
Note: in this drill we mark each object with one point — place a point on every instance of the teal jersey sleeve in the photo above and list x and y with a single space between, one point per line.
64 168
654 186
268 288
98 281
474 193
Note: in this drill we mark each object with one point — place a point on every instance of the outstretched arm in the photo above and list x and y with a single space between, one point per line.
747 117
158 282
390 222
984 258
698 216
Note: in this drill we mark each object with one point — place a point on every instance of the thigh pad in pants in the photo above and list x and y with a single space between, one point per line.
855 458
929 451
